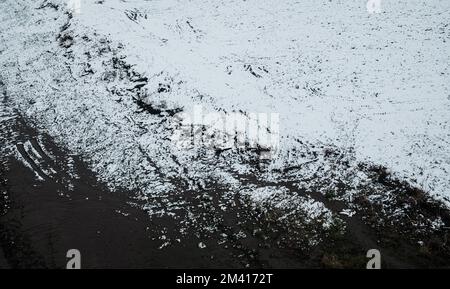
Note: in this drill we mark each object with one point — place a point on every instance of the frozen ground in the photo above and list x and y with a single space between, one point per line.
336 74
360 97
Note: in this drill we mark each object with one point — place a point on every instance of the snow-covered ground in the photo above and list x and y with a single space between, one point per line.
373 88
378 83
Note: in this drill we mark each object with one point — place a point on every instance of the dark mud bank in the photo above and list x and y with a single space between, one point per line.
52 202
56 204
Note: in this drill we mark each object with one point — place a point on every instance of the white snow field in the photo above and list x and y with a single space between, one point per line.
378 83
372 87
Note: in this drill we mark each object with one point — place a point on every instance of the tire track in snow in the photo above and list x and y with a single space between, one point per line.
29 162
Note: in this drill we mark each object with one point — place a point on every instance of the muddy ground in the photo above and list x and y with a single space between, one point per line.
59 205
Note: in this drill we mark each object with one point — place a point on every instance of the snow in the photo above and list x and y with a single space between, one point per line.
377 83
291 201
373 87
